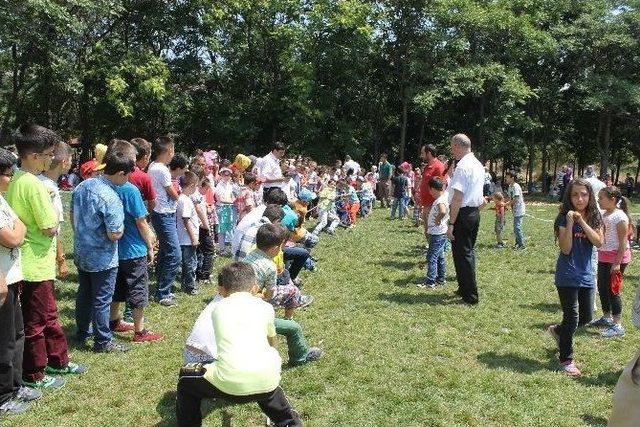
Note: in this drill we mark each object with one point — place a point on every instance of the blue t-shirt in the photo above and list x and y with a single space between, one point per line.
574 270
131 245
97 209
353 196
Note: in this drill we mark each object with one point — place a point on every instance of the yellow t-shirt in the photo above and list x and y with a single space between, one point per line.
246 363
279 260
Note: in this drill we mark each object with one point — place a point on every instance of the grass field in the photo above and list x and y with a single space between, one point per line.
394 355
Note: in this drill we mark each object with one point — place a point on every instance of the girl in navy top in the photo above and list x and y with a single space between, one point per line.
578 228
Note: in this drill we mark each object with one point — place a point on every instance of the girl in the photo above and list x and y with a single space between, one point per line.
500 204
578 228
224 208
614 255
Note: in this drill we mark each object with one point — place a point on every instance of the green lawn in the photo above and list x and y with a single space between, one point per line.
394 354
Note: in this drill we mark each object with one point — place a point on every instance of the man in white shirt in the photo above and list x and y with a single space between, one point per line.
351 164
464 219
270 171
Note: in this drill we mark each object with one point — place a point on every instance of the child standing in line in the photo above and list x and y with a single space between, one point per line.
499 205
327 208
188 225
246 201
578 228
224 208
353 205
45 349
437 221
516 201
400 184
367 195
417 208
613 256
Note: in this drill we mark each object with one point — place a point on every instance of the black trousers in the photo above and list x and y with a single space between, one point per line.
465 232
576 311
205 254
610 303
192 389
11 344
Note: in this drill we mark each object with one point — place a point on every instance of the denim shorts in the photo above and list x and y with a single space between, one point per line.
132 283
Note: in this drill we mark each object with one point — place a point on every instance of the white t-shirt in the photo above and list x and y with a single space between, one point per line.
596 186
269 168
161 179
611 221
224 192
515 194
186 209
468 178
198 200
432 228
54 191
351 164
10 264
202 335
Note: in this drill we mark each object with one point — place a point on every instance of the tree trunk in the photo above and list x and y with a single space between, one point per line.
421 136
545 168
530 164
605 143
637 172
403 125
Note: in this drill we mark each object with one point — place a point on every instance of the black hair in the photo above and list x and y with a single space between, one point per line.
179 161
436 183
278 146
249 178
270 235
31 139
118 161
162 145
7 160
513 174
276 196
61 152
274 213
237 277
430 148
143 147
592 217
622 202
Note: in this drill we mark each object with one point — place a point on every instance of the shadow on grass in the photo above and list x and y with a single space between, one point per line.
592 421
424 298
604 379
513 362
166 408
398 265
543 306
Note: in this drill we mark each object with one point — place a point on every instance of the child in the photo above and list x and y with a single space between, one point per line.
269 241
59 164
246 200
139 177
45 348
437 230
516 201
578 228
400 184
188 226
614 255
300 233
205 251
224 208
367 195
98 224
353 204
327 207
13 395
341 203
163 219
500 205
417 208
247 368
135 254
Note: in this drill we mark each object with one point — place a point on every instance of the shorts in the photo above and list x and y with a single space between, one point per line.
499 227
132 283
225 218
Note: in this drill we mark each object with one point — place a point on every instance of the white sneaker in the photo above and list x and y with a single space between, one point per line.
615 331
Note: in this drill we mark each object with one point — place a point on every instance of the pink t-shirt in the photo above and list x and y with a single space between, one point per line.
245 202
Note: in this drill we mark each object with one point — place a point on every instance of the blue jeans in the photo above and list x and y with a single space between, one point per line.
517 230
189 267
169 255
399 203
93 305
436 264
298 257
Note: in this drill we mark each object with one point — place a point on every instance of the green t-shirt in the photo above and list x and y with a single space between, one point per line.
31 201
386 170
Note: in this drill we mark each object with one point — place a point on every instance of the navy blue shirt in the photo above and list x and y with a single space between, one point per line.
131 245
400 184
575 270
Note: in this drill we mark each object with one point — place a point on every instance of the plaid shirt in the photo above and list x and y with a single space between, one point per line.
265 269
248 240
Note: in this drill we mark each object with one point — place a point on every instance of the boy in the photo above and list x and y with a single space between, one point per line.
437 221
400 185
516 201
301 206
45 347
135 254
60 164
98 223
163 219
499 205
139 177
13 395
269 241
327 207
188 226
248 367
177 167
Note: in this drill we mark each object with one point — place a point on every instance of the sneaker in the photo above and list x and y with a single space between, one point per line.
147 336
441 284
614 331
603 322
518 248
120 326
305 300
28 394
500 246
112 347
167 302
331 232
46 382
554 334
427 286
313 354
298 282
13 406
570 368
192 292
71 368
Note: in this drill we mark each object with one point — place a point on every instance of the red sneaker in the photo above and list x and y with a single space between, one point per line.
147 336
121 326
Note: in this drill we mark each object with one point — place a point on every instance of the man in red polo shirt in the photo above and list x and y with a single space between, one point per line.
433 168
139 177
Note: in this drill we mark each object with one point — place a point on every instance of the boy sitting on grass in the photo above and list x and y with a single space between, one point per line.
248 367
